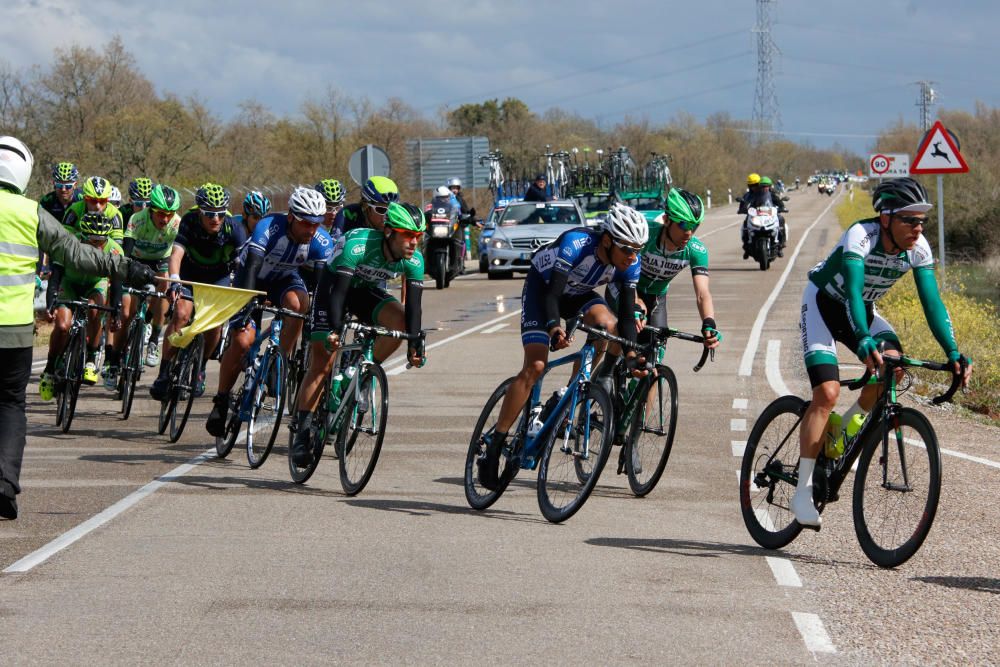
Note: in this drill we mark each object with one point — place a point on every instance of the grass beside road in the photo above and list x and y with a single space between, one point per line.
976 321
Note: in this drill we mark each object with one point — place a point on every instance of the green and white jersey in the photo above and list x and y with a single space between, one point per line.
658 268
862 241
150 242
72 275
359 253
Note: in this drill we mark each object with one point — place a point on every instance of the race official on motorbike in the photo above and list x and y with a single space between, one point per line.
444 198
466 213
536 191
759 194
25 227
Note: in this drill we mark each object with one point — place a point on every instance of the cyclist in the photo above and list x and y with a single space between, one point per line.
116 200
334 194
281 245
256 205
376 195
64 193
149 238
560 284
139 191
68 284
352 283
839 305
671 247
97 193
205 251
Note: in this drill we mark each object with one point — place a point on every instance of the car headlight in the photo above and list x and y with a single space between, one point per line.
500 243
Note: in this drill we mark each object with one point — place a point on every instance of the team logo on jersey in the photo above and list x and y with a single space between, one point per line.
358 250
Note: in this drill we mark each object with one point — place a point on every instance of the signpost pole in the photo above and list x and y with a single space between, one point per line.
940 195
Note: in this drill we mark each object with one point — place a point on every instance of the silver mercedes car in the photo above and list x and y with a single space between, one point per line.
525 227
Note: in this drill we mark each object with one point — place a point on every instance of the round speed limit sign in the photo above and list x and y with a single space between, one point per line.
880 164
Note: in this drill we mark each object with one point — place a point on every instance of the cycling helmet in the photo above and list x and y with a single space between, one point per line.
416 214
116 196
212 195
684 208
401 217
753 179
94 224
380 190
454 182
164 198
139 189
65 172
900 194
97 188
442 191
307 204
332 190
764 180
627 225
256 203
16 162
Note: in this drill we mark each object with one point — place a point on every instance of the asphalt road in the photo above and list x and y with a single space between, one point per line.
217 563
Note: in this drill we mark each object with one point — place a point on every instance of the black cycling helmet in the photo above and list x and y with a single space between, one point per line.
900 194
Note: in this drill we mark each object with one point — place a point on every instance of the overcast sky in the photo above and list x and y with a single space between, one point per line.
845 67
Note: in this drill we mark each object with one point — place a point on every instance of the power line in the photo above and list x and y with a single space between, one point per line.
706 91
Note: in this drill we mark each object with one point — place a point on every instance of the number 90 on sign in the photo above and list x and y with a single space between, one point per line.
889 164
880 164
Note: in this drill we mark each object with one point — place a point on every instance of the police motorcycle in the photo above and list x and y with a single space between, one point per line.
444 247
760 229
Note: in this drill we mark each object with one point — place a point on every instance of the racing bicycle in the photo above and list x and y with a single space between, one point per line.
69 366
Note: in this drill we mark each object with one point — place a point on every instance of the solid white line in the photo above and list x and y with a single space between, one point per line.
495 328
958 455
738 447
741 403
737 424
813 633
784 572
55 546
746 365
773 368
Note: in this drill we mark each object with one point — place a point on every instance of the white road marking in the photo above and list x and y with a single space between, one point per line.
55 546
773 368
495 328
746 365
741 403
784 572
738 447
958 455
813 633
716 231
737 424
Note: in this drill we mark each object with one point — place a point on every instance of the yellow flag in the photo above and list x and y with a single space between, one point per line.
213 305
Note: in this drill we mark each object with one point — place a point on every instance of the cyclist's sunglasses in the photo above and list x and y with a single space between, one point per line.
381 210
95 238
627 249
911 220
334 207
410 234
214 214
97 200
63 186
139 204
686 226
160 211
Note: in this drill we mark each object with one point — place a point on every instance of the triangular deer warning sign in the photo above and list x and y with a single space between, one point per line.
939 154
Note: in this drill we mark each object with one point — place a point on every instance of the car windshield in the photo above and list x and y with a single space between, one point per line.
540 214
594 203
646 204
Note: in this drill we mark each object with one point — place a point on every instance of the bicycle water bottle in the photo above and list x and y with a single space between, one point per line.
534 422
850 431
335 390
834 441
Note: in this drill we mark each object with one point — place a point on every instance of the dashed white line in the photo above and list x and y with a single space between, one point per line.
784 572
737 424
741 403
813 633
773 369
738 447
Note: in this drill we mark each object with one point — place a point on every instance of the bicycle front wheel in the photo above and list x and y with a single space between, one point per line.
131 366
268 403
896 488
360 439
187 382
73 376
479 497
651 436
322 422
768 473
575 453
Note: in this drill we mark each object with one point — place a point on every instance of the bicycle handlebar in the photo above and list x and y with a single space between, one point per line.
76 305
892 363
284 312
382 331
660 334
146 291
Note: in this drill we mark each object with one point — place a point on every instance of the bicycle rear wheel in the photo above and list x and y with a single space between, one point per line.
297 367
579 441
268 405
768 473
225 443
896 489
169 404
360 438
651 436
73 376
321 432
131 367
478 496
187 382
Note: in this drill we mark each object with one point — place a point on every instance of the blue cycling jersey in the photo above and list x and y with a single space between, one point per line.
282 256
575 254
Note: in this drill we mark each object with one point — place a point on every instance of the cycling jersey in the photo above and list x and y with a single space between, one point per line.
50 202
349 218
573 253
658 268
360 254
78 209
150 241
208 258
281 255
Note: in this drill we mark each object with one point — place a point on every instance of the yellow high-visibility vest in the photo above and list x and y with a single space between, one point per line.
18 256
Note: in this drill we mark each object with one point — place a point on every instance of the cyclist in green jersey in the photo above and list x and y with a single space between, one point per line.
96 199
352 283
149 239
839 305
68 284
139 191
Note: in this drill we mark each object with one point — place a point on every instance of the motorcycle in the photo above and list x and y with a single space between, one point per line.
761 227
445 245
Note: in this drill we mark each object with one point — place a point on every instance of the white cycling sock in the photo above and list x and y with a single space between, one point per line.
806 467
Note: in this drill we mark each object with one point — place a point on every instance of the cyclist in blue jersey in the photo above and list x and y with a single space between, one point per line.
256 205
204 251
282 245
561 284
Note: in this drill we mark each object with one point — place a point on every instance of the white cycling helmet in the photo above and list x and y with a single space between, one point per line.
116 196
442 191
626 225
307 204
16 162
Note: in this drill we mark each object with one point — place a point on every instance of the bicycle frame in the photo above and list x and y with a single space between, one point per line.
365 344
273 335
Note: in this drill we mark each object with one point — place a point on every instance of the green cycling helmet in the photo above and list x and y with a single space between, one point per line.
97 188
400 218
685 208
164 198
765 180
94 224
332 190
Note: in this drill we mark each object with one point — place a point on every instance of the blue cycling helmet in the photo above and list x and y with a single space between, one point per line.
256 203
